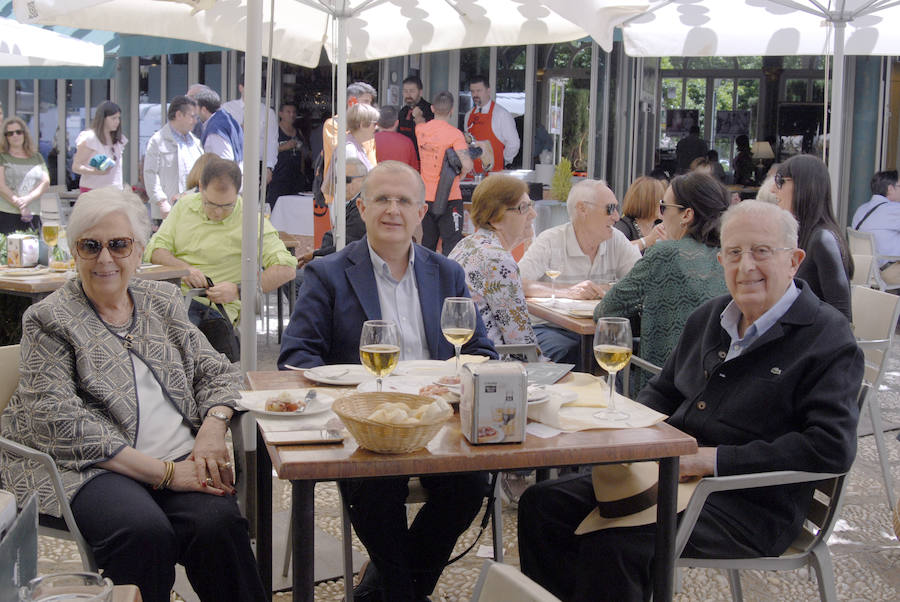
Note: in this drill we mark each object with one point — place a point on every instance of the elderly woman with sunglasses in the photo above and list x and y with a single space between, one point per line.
132 403
23 177
803 187
503 215
678 275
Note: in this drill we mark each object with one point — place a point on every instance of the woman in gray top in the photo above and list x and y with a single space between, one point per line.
132 403
23 178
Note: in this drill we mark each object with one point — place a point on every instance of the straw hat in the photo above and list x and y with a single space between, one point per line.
626 496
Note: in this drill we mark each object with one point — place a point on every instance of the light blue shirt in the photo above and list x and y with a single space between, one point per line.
188 153
400 304
731 316
883 224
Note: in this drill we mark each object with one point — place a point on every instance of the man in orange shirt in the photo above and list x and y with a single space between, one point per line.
434 138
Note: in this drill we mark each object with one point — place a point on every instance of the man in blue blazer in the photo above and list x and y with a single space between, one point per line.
386 276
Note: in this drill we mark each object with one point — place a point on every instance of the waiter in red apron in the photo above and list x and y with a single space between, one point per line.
489 122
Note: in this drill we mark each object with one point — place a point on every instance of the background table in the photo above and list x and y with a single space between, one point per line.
448 453
584 327
294 214
39 286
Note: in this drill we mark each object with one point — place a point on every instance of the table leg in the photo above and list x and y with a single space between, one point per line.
264 513
586 355
302 517
664 565
280 304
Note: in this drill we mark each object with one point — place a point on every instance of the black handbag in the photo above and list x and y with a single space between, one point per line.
219 330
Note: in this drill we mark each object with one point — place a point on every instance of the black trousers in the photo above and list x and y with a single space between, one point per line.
611 564
138 535
11 222
447 227
410 559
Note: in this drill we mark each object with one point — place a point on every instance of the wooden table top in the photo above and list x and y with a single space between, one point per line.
580 326
50 281
450 452
298 244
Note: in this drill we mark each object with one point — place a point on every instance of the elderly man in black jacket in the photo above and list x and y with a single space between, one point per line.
766 379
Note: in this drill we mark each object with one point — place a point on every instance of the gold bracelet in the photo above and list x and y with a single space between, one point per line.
167 477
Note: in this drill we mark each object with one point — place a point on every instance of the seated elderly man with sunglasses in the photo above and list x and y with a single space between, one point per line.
587 252
203 234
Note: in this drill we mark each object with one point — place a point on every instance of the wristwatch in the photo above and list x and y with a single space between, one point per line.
219 414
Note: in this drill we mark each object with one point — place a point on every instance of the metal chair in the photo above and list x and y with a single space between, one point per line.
863 243
61 528
809 549
499 582
875 315
862 270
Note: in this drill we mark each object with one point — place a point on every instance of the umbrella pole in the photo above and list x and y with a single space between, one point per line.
340 160
249 267
836 136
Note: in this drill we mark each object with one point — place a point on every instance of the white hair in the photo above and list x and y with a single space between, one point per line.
93 206
765 193
761 210
583 191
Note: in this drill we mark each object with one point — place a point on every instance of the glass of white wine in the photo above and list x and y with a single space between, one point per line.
50 234
612 350
554 269
458 322
379 348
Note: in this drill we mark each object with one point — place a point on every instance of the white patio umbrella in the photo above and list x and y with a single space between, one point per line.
30 46
764 27
348 30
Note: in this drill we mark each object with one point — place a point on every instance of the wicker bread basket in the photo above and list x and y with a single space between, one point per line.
385 438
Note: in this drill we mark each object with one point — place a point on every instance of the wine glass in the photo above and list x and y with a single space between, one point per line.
379 348
554 269
458 322
612 350
50 234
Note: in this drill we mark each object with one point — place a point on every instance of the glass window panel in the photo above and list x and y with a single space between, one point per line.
671 62
150 117
75 119
748 99
176 74
510 87
795 90
723 91
211 70
794 62
672 88
25 103
817 94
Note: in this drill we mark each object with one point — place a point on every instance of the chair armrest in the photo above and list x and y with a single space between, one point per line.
876 344
709 485
645 365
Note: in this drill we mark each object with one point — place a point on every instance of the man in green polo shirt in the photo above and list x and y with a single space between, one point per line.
203 234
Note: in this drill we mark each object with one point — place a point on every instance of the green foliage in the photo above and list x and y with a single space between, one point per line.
576 126
562 180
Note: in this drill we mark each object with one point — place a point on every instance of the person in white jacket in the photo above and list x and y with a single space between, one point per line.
171 153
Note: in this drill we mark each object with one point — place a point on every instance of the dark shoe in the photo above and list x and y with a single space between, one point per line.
369 587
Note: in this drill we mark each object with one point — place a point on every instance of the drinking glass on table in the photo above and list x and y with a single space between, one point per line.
50 234
458 322
379 348
554 269
612 350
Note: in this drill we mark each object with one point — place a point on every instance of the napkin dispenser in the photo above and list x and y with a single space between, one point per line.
493 402
22 250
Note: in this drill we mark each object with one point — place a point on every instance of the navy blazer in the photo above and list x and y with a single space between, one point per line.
788 402
339 294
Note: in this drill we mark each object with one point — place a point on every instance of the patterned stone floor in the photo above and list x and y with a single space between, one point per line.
865 552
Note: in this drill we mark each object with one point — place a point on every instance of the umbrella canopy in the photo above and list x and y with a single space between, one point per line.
303 28
27 45
348 30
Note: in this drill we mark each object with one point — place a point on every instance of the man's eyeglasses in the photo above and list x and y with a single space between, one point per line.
384 201
88 248
225 207
523 208
663 205
760 253
10 133
351 178
780 180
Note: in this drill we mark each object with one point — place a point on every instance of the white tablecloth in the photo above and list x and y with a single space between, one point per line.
294 214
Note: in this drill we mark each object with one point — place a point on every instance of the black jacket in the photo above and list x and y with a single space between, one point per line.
789 402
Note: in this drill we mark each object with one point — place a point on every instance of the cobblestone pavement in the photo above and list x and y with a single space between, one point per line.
865 551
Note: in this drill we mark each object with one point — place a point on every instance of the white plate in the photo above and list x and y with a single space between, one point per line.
339 374
434 368
16 272
397 384
255 401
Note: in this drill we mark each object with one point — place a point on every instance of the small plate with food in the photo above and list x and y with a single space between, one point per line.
414 385
23 272
288 402
339 374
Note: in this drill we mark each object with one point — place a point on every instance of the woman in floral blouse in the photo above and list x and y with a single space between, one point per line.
503 215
